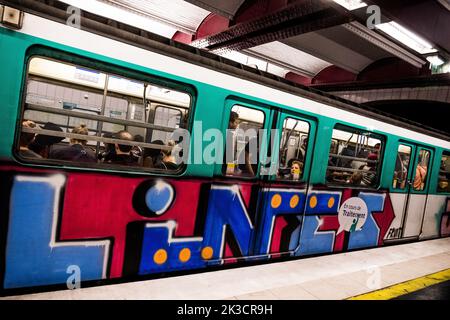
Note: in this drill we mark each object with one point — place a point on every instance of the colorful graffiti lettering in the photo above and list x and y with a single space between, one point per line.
114 226
34 257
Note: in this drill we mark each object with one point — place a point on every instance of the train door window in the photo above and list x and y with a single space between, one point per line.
357 159
421 173
402 162
243 141
294 143
88 117
444 173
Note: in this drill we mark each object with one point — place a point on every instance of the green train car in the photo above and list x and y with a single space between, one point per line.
91 118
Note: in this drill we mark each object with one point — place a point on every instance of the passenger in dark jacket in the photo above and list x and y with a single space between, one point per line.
77 151
123 155
42 143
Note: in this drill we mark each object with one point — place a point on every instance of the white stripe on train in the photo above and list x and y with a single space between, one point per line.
69 36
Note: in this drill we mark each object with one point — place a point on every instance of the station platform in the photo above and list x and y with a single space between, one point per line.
365 274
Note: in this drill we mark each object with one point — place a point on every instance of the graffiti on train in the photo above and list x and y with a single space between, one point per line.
113 226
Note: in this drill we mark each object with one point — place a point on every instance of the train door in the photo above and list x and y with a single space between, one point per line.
409 190
418 192
285 198
240 180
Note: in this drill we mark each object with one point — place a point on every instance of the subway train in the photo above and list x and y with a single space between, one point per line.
327 176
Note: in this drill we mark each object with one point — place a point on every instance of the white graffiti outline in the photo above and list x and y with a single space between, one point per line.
319 220
272 224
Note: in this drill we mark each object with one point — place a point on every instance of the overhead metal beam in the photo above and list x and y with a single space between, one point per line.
297 18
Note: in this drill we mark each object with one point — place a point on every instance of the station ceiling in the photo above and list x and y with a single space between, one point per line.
310 41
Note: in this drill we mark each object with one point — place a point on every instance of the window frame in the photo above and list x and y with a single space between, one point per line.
230 103
357 130
307 161
410 167
426 182
444 153
111 69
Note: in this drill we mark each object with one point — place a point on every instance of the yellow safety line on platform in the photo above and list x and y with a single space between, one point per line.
405 287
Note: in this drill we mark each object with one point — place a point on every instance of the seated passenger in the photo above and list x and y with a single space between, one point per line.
295 170
137 151
123 155
370 174
153 156
26 139
356 179
77 150
110 149
168 161
42 143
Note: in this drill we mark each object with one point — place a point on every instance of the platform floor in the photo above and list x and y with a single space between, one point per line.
332 277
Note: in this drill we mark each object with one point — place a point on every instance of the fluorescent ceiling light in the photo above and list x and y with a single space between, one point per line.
435 61
124 16
351 4
406 37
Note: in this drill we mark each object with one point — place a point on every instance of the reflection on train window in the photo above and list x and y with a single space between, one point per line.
294 143
420 176
444 173
401 167
356 159
242 142
80 115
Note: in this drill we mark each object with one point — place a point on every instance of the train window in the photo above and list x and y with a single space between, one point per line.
78 115
355 160
242 141
444 173
401 167
294 143
420 176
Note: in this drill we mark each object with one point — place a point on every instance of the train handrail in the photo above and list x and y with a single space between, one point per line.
95 138
93 117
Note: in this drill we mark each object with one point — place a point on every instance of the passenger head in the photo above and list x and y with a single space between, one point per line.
305 143
80 129
356 178
138 138
168 152
153 152
234 120
296 167
25 137
45 140
123 148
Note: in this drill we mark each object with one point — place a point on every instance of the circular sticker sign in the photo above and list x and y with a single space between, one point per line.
352 215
